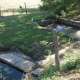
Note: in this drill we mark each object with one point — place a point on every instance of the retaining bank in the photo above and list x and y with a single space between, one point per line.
69 22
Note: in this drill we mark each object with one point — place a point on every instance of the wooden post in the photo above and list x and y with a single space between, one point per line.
57 60
0 11
20 9
25 8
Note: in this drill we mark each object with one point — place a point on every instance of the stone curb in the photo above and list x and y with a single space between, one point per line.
69 22
46 22
37 71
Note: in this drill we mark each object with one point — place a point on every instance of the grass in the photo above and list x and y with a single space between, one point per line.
70 67
19 32
16 29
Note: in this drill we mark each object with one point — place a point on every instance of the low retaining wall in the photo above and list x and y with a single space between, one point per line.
60 20
46 22
69 22
50 59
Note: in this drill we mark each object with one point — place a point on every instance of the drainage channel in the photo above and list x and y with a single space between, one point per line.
13 67
72 31
8 72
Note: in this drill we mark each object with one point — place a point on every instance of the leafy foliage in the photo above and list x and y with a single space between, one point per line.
57 6
48 72
71 64
52 16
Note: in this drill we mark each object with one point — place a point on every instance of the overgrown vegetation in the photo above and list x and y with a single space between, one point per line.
70 62
17 32
60 7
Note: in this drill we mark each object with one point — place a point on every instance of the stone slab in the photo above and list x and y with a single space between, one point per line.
18 62
10 58
22 56
37 71
25 65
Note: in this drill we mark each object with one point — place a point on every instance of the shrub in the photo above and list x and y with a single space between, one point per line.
52 16
48 51
38 18
71 64
63 13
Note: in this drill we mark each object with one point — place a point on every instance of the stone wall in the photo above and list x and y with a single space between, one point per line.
46 22
69 22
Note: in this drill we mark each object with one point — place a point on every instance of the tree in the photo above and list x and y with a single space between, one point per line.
59 5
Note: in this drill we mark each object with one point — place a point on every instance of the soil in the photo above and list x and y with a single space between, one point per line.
71 75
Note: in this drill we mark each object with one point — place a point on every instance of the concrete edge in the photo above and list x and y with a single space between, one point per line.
12 65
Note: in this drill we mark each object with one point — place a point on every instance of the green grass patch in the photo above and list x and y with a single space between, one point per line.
18 31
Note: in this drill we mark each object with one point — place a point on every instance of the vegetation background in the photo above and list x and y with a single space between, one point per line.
17 30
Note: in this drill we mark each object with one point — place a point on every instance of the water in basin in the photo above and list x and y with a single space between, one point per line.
9 73
71 31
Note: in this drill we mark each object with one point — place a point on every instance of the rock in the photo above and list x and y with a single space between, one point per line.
69 22
37 71
46 22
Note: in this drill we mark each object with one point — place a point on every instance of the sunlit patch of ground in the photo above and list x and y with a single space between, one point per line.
17 3
12 7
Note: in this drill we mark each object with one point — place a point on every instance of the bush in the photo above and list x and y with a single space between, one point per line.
48 51
52 16
38 18
71 64
63 13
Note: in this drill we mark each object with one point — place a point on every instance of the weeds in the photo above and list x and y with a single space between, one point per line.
17 31
71 64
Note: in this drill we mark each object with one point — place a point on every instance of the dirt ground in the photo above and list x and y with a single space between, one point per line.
16 3
71 75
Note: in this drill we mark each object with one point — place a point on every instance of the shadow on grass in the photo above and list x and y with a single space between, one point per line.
22 11
17 30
